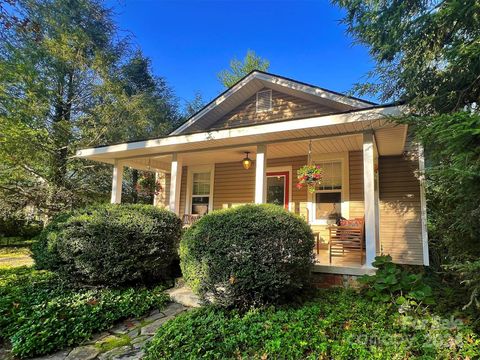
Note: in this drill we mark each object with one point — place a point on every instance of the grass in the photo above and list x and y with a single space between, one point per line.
12 257
113 342
15 241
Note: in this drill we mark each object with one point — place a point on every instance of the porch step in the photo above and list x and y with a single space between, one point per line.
185 296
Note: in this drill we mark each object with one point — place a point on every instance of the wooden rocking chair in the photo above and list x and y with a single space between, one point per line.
347 238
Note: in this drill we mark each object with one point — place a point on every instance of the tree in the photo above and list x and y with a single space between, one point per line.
154 112
70 85
239 69
427 54
195 105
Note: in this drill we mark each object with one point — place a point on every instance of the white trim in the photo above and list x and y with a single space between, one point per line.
285 169
260 175
369 198
343 270
199 169
325 94
117 183
423 204
376 163
213 105
312 90
175 184
343 158
255 130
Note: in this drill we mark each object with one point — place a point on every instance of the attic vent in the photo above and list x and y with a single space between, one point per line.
264 100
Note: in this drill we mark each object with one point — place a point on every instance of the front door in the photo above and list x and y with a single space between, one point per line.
278 185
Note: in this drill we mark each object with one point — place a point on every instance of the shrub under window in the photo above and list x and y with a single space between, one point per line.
247 256
111 244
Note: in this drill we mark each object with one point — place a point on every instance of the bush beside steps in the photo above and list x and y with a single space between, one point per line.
247 256
110 244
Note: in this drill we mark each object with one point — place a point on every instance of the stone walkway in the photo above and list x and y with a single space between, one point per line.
126 340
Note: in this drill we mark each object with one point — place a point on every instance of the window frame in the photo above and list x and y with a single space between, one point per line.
343 159
189 196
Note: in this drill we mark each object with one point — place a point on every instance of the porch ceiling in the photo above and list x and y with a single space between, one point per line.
331 133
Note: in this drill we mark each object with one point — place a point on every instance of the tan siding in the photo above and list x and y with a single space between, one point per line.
356 184
283 107
400 219
233 185
163 198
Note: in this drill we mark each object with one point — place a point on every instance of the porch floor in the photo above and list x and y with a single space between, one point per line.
350 259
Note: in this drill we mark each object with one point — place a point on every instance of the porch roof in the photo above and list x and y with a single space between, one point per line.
156 153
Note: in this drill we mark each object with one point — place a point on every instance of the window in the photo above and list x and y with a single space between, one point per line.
328 196
200 193
264 100
278 188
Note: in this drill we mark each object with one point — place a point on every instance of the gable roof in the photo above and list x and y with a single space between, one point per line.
257 80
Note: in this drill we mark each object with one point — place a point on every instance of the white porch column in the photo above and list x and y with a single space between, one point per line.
117 180
175 181
261 175
371 214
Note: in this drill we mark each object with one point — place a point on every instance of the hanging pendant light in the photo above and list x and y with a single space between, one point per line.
247 162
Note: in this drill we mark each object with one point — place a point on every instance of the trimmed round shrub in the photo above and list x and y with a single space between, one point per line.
110 244
247 256
44 250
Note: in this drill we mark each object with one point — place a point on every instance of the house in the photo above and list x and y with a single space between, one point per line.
369 165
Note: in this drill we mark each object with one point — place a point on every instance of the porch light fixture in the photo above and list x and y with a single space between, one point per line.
246 162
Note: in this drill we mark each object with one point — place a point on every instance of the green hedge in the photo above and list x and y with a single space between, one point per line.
13 226
338 325
110 244
247 256
41 313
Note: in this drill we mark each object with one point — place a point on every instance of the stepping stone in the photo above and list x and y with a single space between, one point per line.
131 355
133 333
88 352
119 329
99 337
115 353
151 329
185 296
154 315
143 340
173 309
61 355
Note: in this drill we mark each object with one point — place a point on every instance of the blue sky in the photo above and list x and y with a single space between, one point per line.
189 42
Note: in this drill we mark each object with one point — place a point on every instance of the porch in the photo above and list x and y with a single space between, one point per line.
202 172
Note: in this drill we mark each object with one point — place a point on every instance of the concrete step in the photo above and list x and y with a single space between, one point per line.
185 296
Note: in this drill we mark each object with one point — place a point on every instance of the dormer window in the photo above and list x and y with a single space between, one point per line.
264 100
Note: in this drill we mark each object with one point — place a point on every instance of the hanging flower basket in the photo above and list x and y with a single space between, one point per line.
309 176
147 185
